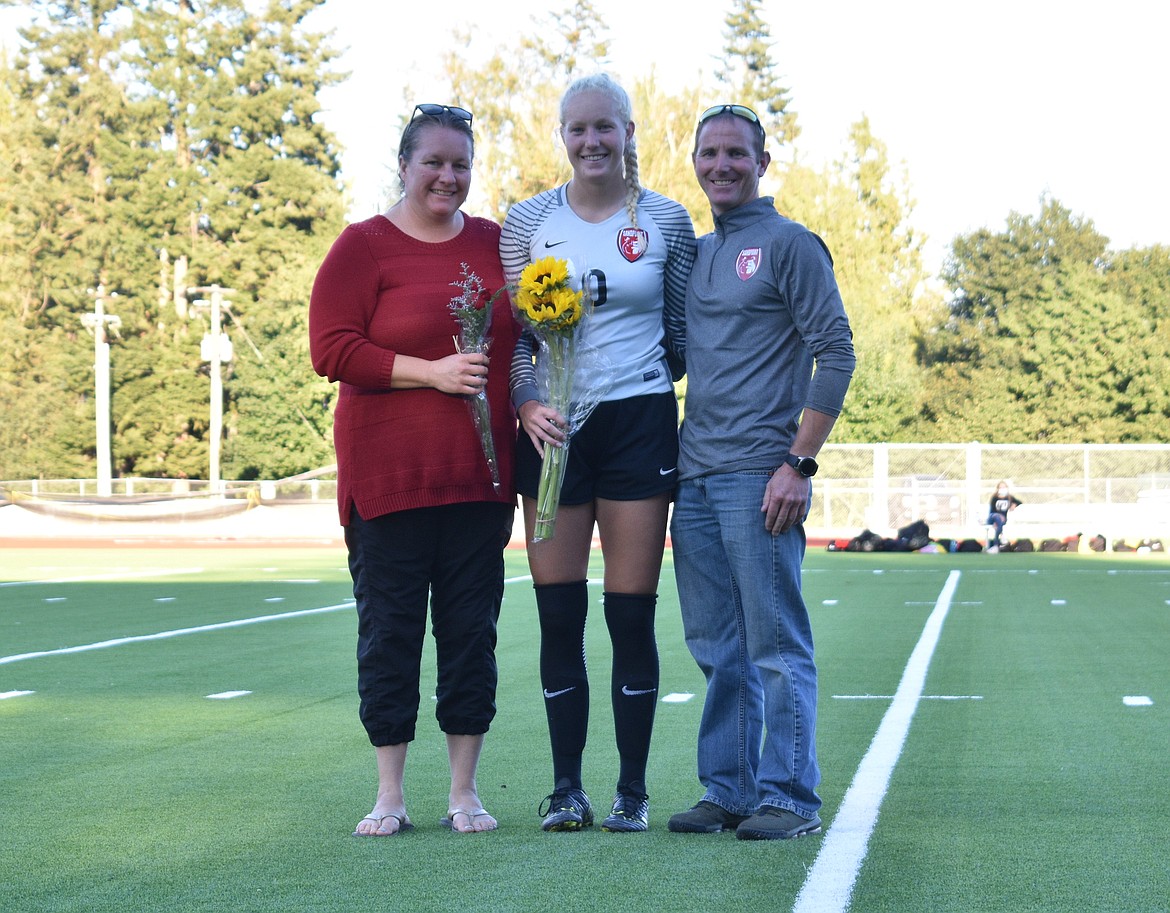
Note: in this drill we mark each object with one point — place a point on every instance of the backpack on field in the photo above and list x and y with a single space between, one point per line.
916 535
865 541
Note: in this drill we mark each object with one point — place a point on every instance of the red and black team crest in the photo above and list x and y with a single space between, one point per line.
747 263
632 242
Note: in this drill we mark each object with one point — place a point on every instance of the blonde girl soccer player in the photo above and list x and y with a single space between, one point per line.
637 247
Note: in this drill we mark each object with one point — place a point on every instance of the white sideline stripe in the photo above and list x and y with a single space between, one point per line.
5 695
830 881
924 697
141 638
178 632
116 575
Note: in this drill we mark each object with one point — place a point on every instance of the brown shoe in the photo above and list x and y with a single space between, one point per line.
704 818
771 823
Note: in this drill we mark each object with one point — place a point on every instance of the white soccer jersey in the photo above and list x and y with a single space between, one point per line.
636 274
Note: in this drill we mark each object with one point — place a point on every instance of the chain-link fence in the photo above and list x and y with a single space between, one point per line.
887 486
1113 489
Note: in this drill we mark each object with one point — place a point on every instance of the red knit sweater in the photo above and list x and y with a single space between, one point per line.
380 292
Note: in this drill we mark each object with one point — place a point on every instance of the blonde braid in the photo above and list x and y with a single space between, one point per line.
634 190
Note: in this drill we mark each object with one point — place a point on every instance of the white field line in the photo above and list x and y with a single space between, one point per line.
113 575
924 697
178 632
830 881
162 635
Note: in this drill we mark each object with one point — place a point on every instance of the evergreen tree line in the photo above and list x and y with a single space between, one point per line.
149 146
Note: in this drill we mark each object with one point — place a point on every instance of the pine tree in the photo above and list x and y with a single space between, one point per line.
163 131
749 73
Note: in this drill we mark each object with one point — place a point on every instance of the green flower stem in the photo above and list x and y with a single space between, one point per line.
481 416
548 497
561 365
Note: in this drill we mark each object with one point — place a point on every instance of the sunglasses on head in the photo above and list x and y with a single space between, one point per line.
738 110
434 110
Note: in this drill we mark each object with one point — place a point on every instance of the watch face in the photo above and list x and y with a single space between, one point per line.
806 466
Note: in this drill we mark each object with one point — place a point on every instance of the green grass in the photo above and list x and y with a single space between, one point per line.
123 788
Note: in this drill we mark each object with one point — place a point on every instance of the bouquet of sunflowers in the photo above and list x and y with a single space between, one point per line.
571 373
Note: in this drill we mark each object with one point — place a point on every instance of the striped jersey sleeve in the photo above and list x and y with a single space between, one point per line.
675 224
520 225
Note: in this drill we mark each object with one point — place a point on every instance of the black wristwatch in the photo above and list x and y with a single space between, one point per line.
806 466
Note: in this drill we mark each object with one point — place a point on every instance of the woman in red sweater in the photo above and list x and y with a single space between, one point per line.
421 514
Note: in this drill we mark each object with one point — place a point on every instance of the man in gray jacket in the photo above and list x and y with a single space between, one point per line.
762 310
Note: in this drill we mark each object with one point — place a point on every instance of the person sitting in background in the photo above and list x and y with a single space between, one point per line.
1002 503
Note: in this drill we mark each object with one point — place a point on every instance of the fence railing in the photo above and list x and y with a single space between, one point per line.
884 487
315 489
881 487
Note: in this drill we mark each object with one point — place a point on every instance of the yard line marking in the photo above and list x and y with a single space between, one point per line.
830 880
226 695
677 697
162 635
924 697
1137 700
5 695
178 632
116 575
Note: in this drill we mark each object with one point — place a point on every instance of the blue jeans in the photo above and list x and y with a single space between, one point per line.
997 521
748 629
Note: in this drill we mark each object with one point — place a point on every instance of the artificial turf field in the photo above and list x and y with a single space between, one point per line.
994 739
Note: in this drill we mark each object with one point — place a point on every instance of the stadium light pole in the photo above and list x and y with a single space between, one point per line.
216 349
97 323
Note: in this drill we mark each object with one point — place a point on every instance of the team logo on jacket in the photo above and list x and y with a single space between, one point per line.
747 263
632 242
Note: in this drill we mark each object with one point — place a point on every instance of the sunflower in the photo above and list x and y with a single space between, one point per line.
544 297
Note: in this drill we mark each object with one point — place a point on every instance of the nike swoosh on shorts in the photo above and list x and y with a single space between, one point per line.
548 693
634 693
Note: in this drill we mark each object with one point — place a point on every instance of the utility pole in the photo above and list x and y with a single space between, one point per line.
96 323
216 349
